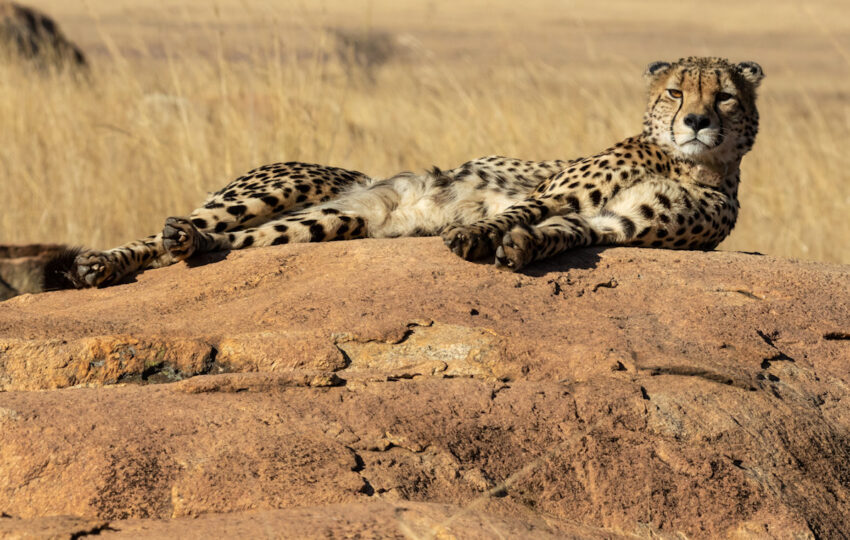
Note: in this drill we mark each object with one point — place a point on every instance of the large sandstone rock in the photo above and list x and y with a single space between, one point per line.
390 387
31 35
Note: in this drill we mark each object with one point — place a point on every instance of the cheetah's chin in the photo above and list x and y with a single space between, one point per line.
694 147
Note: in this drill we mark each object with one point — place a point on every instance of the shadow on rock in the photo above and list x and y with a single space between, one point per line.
206 258
578 259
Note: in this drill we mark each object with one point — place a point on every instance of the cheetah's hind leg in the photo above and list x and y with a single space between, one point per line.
79 269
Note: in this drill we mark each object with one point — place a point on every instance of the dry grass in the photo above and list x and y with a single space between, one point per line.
186 95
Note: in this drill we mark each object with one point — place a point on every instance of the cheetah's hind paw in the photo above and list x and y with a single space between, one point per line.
75 268
93 269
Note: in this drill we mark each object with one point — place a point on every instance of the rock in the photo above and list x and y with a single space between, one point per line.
53 527
327 386
376 519
32 35
22 267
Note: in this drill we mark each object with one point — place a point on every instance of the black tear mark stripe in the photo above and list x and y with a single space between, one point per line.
673 121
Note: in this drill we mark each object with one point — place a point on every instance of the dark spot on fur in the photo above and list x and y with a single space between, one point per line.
596 197
628 225
317 232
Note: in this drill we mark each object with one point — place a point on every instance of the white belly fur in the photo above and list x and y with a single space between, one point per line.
405 205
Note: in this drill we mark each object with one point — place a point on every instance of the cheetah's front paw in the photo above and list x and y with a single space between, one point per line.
92 269
180 237
471 242
517 249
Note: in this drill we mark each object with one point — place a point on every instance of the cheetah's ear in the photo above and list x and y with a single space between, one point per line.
656 68
751 72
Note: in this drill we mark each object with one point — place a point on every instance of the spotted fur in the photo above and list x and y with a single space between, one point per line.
673 186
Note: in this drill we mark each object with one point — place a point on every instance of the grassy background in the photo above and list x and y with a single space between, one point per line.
185 95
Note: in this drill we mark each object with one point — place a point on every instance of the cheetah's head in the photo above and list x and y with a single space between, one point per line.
703 109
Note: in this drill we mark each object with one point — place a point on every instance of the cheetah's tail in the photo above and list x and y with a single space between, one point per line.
58 271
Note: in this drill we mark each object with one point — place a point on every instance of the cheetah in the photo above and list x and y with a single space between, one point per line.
672 186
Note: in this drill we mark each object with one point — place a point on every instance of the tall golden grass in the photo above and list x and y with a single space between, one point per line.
184 96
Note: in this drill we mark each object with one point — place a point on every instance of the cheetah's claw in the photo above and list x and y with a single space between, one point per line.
179 236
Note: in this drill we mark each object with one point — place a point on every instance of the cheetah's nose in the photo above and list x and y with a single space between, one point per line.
697 122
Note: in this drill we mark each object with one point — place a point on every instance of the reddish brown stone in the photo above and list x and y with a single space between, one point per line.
613 391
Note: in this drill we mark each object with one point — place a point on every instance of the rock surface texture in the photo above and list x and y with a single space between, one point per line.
391 389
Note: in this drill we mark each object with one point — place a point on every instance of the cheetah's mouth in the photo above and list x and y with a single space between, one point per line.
696 144
693 147
693 144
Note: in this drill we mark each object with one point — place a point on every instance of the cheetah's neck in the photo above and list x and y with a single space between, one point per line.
722 173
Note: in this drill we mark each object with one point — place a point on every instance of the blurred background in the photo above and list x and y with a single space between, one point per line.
179 97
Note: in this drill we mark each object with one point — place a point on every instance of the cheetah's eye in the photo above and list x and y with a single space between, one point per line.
675 94
723 96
